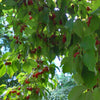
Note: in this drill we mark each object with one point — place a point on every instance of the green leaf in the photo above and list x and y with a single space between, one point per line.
68 65
96 4
78 28
10 71
28 65
2 88
81 28
89 77
94 21
10 3
86 96
96 12
88 43
2 70
96 94
89 60
15 66
21 77
6 55
76 92
78 79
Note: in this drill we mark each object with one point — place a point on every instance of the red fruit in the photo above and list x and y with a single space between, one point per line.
35 49
10 92
60 22
21 30
40 9
53 36
39 36
8 63
36 75
72 6
97 42
38 66
30 17
29 88
27 82
76 54
23 60
37 91
17 41
18 57
53 16
20 42
89 19
13 91
94 86
18 93
39 48
19 88
27 97
25 25
29 13
37 61
88 8
30 2
64 39
14 37
41 72
33 75
46 69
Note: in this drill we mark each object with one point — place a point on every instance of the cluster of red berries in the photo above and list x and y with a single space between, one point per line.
89 19
40 9
23 28
8 63
51 39
19 56
52 17
17 40
30 2
97 42
30 16
29 88
45 69
64 39
37 92
13 91
34 51
77 53
39 61
88 8
27 81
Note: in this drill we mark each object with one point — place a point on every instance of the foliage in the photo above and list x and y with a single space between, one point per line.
64 86
42 30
